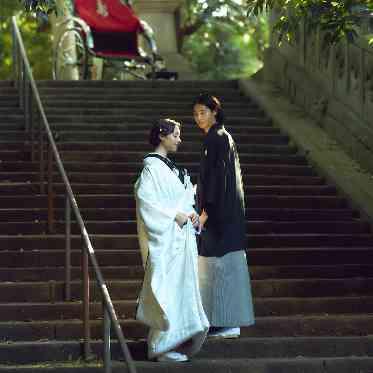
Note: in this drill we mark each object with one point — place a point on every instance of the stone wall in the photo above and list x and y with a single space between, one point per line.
334 84
160 15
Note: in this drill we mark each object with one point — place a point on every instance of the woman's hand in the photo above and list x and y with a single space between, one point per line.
181 219
194 218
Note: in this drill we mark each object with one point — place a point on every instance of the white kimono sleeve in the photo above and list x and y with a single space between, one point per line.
157 220
156 216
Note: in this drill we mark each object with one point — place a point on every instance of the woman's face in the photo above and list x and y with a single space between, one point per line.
204 117
171 141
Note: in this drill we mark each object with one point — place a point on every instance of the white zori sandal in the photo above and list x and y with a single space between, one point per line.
225 333
172 356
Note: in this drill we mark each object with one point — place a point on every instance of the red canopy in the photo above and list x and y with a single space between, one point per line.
120 18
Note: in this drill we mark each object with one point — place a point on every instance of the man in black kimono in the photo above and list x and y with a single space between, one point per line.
222 195
224 278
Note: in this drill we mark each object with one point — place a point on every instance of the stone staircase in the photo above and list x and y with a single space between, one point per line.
310 254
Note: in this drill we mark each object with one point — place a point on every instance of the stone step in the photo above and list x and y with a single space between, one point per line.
259 125
53 291
116 146
242 120
14 155
309 271
130 177
181 114
258 348
13 188
121 157
122 200
256 119
345 364
8 102
130 227
284 326
273 214
308 249
10 109
44 257
253 124
15 121
296 244
135 167
72 156
167 110
274 139
312 240
171 94
87 95
17 117
13 134
9 91
8 88
253 227
49 258
6 83
248 348
127 85
57 273
143 105
40 311
264 307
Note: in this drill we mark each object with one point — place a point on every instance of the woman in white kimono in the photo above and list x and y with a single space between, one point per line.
170 302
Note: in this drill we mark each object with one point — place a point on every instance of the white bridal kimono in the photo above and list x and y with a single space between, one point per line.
170 302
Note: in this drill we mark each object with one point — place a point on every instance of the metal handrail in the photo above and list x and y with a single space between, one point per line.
29 95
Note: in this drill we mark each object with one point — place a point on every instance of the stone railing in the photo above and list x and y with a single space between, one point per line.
333 83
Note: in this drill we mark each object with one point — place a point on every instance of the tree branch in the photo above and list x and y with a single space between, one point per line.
191 28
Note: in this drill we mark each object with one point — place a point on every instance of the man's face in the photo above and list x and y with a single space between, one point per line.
204 117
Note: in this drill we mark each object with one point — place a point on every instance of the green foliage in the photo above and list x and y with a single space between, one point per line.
39 6
37 43
338 19
220 40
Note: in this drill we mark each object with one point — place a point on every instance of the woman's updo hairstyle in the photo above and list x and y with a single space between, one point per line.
162 127
212 103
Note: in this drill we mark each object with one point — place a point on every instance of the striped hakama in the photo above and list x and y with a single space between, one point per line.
225 303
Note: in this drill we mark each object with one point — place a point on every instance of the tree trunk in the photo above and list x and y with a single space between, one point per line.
72 72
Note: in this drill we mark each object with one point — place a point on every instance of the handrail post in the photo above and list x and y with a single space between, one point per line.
107 328
50 191
20 63
28 109
22 74
24 91
19 75
41 154
362 82
67 249
14 54
85 285
24 84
